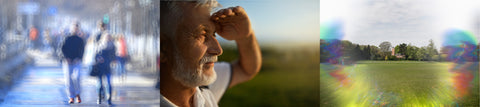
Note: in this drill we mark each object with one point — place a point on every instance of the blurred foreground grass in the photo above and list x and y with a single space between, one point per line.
395 83
289 77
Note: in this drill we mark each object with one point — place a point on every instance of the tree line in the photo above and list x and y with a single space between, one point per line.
351 52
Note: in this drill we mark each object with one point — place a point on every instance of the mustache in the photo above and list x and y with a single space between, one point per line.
206 59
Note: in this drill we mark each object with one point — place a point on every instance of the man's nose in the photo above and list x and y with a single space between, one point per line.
214 47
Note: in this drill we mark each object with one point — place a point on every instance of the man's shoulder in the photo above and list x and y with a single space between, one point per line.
67 38
74 37
70 36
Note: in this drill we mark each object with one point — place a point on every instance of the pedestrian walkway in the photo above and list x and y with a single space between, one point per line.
44 85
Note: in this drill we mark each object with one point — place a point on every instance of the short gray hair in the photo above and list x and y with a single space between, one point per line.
171 13
75 25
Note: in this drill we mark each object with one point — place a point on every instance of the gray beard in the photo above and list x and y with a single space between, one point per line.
191 77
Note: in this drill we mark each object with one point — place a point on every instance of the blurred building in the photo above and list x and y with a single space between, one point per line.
138 20
138 17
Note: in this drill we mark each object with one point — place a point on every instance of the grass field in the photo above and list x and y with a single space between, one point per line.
394 83
286 79
275 89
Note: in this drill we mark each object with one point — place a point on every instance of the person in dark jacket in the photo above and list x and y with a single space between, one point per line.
105 55
72 50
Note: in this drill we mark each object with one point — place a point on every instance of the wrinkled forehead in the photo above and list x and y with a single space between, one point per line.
209 4
193 8
197 16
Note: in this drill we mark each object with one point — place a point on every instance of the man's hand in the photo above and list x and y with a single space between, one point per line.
232 23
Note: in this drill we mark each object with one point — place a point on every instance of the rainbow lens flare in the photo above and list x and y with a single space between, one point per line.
462 51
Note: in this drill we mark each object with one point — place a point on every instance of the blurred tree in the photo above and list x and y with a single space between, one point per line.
430 50
357 53
385 48
375 53
367 53
421 53
411 52
347 50
402 49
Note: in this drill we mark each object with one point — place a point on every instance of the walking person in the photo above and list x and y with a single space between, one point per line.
33 34
47 40
105 55
94 45
72 50
121 56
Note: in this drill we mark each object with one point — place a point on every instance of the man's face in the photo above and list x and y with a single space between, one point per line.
75 28
197 48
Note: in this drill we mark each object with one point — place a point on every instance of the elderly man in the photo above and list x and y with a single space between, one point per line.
189 50
72 50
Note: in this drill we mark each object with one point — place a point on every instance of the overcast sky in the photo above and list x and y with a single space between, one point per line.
401 21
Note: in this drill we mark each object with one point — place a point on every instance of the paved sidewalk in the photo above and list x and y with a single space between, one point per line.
44 85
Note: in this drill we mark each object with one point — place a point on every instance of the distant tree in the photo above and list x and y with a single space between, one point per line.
402 49
323 51
347 44
396 49
375 53
385 46
411 52
430 50
421 53
367 53
347 49
357 54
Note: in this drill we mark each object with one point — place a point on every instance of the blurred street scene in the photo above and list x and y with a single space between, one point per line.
32 33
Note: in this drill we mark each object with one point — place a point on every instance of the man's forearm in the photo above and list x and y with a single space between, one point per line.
250 54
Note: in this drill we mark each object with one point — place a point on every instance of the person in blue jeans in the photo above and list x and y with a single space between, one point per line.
105 55
72 50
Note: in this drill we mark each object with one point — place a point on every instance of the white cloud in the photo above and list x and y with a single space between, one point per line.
406 21
333 9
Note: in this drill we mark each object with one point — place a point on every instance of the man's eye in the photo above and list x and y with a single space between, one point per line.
201 35
204 32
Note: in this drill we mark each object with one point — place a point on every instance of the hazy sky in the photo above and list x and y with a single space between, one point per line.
281 20
401 21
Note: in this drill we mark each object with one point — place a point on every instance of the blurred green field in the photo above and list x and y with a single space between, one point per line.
394 83
288 78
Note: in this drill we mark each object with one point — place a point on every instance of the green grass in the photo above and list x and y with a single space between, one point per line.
287 78
394 83
275 88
